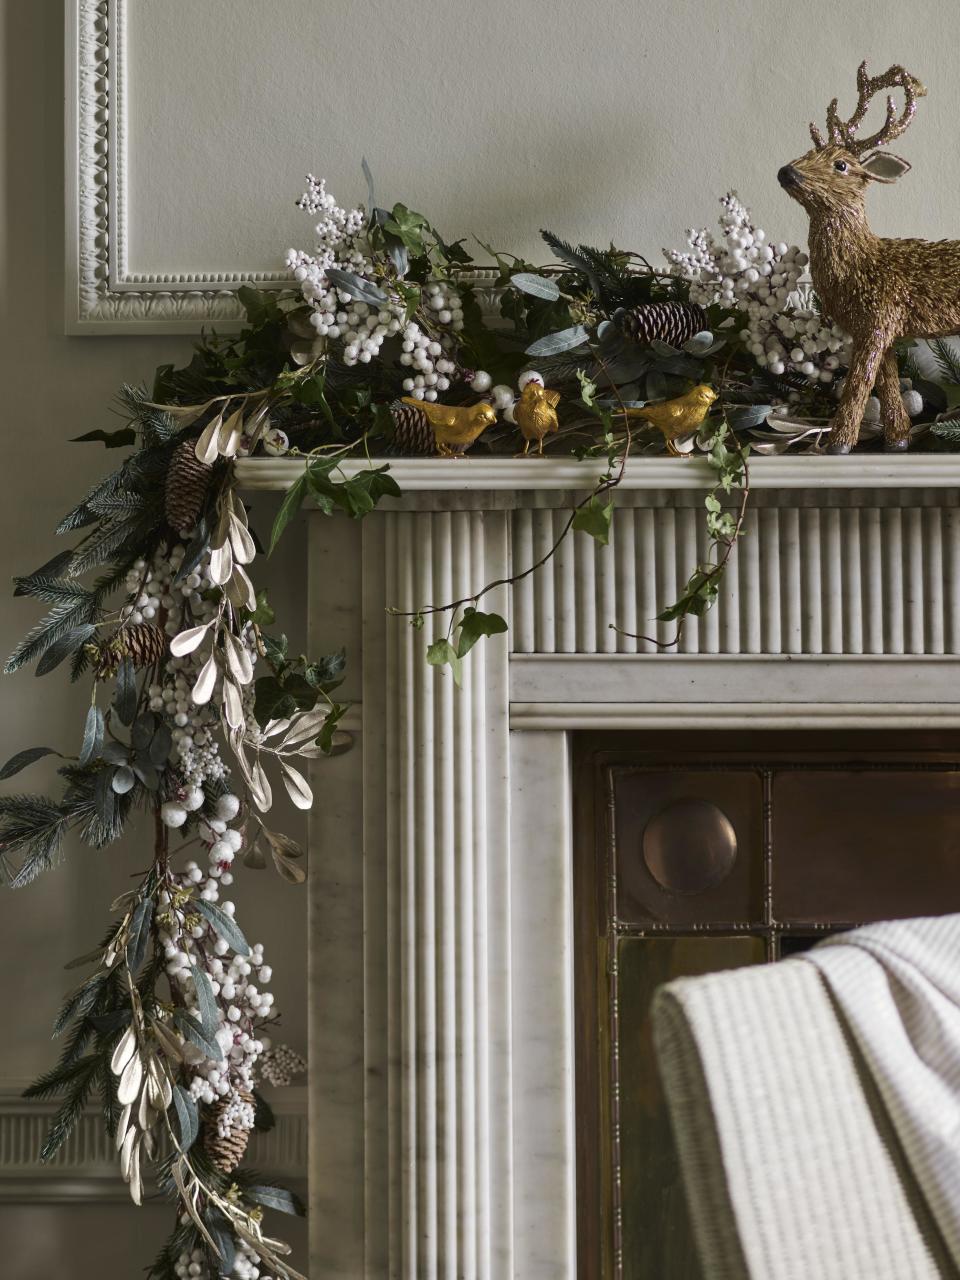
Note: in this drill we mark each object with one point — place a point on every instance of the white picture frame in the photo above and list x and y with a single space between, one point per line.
102 295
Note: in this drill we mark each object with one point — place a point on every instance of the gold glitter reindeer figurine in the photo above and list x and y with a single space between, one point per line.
878 290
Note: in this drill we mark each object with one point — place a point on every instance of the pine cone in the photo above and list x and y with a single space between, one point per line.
672 322
412 432
145 643
188 481
225 1152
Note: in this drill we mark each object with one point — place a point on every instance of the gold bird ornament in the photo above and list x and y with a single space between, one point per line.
679 417
535 413
445 429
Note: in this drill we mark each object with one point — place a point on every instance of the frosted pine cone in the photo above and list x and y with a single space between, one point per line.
188 481
224 1141
671 322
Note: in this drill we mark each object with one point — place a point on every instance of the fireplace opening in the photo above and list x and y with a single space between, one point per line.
699 852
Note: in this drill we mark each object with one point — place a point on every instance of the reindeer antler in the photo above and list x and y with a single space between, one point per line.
842 133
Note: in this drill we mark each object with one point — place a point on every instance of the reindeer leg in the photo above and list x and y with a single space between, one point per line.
864 363
895 419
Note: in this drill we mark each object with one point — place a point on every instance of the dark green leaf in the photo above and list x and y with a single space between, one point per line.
263 1118
146 771
23 758
187 1118
93 731
263 615
325 737
112 439
473 625
115 752
125 698
327 672
64 647
223 924
594 518
139 934
442 653
288 508
223 1240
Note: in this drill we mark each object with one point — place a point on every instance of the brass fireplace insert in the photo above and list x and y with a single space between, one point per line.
698 852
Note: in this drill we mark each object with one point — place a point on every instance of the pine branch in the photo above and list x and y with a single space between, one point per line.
36 825
49 630
948 429
58 1078
65 1120
51 590
947 358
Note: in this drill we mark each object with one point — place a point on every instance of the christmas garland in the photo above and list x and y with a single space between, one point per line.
198 708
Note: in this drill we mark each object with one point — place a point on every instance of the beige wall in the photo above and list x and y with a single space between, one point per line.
615 119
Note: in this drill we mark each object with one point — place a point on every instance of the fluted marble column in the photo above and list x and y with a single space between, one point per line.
438 1034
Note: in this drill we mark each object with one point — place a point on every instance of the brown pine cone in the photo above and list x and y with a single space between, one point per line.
412 432
671 322
145 643
188 481
226 1152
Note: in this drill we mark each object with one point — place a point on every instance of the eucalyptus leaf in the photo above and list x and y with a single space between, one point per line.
193 1031
67 645
700 343
125 697
23 758
93 731
123 780
138 934
206 1003
141 734
356 287
160 746
187 1118
224 925
275 1198
554 343
536 285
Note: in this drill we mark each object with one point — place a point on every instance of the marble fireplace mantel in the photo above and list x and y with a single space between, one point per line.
442 1038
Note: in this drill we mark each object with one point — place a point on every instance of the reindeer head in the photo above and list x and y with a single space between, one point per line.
834 175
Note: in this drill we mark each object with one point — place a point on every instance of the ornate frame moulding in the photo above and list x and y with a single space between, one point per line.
442 1044
104 295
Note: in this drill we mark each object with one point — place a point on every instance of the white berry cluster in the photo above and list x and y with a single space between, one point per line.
763 281
188 940
246 1264
431 355
278 1066
359 326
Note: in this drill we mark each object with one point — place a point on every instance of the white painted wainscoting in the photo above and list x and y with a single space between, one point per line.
442 1037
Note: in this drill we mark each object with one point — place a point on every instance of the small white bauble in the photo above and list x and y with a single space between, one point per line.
502 397
480 382
276 442
193 799
172 814
871 410
912 402
530 375
228 806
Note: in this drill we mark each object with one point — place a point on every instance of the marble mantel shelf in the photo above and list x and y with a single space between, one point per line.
867 471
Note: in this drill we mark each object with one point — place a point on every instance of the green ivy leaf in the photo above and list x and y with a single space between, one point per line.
263 615
289 508
441 654
473 625
594 517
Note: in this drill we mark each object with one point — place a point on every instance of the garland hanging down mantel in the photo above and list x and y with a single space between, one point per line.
199 709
